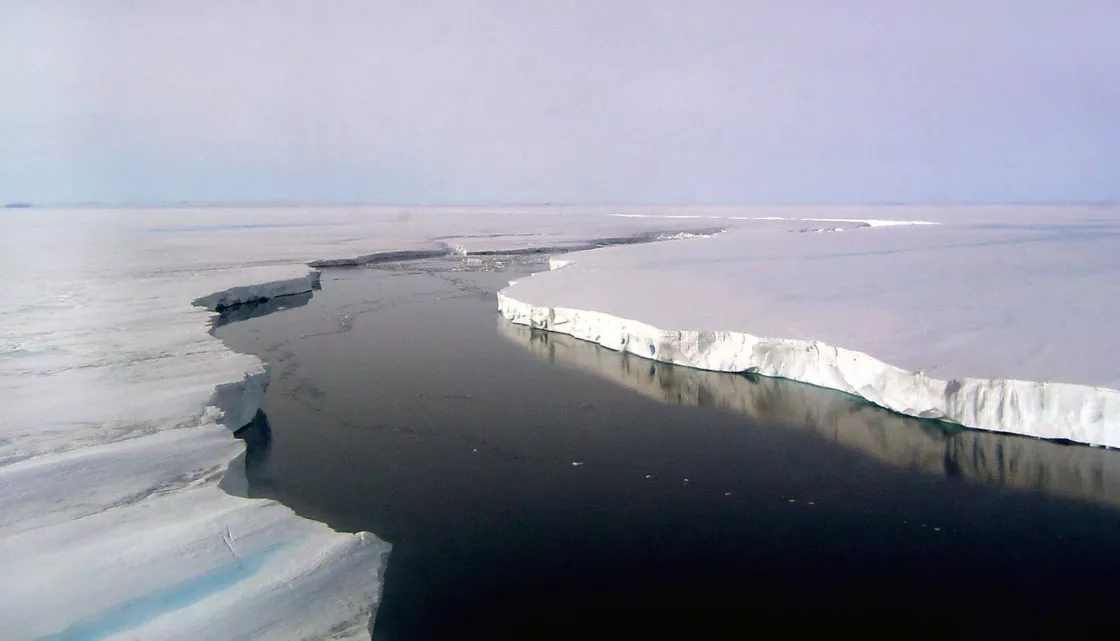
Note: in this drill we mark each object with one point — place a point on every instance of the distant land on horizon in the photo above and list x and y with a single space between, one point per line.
284 204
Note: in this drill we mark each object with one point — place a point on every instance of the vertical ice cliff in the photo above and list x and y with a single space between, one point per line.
1078 413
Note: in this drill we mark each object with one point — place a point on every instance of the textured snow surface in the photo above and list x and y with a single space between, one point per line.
997 318
120 480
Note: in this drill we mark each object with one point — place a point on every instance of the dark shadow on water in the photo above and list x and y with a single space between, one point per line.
256 309
258 438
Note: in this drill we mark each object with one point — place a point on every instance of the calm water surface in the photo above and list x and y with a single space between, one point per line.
534 486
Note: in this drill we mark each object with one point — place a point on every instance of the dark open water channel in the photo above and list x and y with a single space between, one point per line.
534 486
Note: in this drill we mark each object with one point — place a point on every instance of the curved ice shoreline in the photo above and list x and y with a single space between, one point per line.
234 405
1079 413
180 551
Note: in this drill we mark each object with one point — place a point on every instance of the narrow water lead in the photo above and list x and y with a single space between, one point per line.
536 486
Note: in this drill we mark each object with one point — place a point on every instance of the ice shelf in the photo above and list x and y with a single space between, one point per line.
994 318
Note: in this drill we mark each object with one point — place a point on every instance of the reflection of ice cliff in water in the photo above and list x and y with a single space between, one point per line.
1077 472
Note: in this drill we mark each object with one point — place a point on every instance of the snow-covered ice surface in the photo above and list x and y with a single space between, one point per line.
120 482
997 318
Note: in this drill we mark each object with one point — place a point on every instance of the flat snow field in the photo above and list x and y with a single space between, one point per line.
121 485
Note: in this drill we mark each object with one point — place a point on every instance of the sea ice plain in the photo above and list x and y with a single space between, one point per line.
121 509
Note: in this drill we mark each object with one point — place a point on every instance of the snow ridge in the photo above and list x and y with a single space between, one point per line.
1061 411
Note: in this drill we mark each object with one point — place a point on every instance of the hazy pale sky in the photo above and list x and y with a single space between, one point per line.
591 101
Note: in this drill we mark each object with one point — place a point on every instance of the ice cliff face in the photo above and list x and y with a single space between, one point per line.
218 301
1045 410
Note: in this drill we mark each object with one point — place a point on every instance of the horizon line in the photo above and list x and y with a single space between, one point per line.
245 204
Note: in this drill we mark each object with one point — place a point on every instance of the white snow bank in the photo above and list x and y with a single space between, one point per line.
143 544
1001 323
121 525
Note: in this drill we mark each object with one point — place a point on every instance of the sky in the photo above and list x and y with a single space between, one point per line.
560 101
